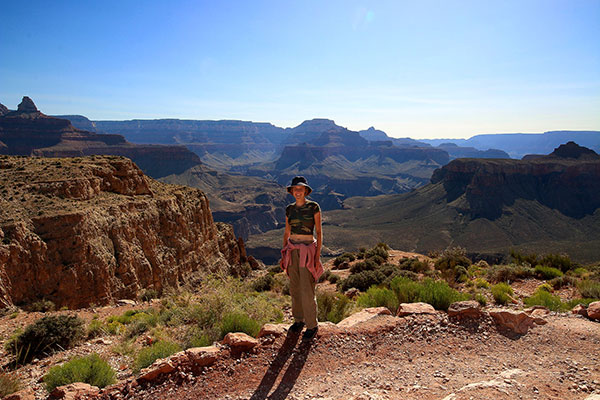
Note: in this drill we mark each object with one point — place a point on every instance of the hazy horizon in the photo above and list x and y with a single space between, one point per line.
425 70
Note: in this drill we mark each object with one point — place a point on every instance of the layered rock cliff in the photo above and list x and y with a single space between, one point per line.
78 231
28 131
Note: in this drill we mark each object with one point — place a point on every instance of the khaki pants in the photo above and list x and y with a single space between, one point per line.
302 290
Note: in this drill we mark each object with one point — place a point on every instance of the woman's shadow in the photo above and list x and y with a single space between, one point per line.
292 372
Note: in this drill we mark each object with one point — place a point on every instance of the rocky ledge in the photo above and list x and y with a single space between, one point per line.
91 230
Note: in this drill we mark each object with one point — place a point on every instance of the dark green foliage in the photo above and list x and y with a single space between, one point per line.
274 269
150 354
367 265
376 259
333 278
379 297
148 294
561 262
413 264
362 280
450 263
521 258
589 288
95 329
380 250
324 276
562 281
41 306
436 293
509 273
263 283
90 369
46 335
238 322
546 299
9 384
346 257
502 293
547 273
332 307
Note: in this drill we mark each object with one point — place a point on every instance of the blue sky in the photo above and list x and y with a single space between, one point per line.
423 69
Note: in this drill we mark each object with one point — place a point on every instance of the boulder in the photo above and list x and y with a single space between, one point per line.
74 391
580 309
275 330
363 316
125 302
467 309
415 308
202 356
517 321
538 315
352 293
239 341
25 394
593 310
158 368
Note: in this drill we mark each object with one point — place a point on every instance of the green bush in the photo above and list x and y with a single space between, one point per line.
547 273
509 273
95 328
238 322
148 294
573 302
89 369
263 283
580 272
562 281
147 356
9 384
481 299
362 280
380 250
522 258
561 262
333 278
436 293
502 293
481 283
41 306
379 297
324 276
544 298
367 265
332 307
453 264
406 290
45 336
545 287
413 265
589 289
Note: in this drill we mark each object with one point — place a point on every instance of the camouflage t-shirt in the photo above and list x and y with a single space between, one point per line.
302 219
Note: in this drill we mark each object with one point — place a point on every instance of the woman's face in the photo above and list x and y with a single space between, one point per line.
299 192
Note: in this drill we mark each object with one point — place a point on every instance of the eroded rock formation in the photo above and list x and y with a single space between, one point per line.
95 229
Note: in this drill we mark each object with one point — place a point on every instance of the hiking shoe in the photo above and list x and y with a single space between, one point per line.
296 327
310 333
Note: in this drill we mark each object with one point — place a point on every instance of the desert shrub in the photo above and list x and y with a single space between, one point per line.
148 355
377 259
238 322
547 273
89 369
509 273
413 265
41 306
573 302
346 257
125 318
522 258
545 287
481 283
406 290
379 297
148 294
502 293
274 269
562 281
481 299
453 264
95 328
263 283
439 294
9 384
115 328
332 307
544 298
561 262
196 337
589 289
45 336
367 265
324 276
362 280
333 278
580 272
349 256
380 250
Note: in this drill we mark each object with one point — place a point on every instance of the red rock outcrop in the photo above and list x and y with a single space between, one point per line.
95 229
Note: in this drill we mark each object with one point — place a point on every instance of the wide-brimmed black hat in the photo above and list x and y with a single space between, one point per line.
299 181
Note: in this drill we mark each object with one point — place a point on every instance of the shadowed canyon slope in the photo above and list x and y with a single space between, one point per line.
78 231
27 131
549 204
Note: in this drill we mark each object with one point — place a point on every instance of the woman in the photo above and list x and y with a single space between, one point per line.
301 255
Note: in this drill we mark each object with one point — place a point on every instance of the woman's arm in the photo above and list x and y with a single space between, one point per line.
286 233
319 233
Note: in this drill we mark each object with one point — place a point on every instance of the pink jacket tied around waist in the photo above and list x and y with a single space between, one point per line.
307 257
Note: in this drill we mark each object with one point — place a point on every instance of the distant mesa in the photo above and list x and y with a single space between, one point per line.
27 131
3 110
573 150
